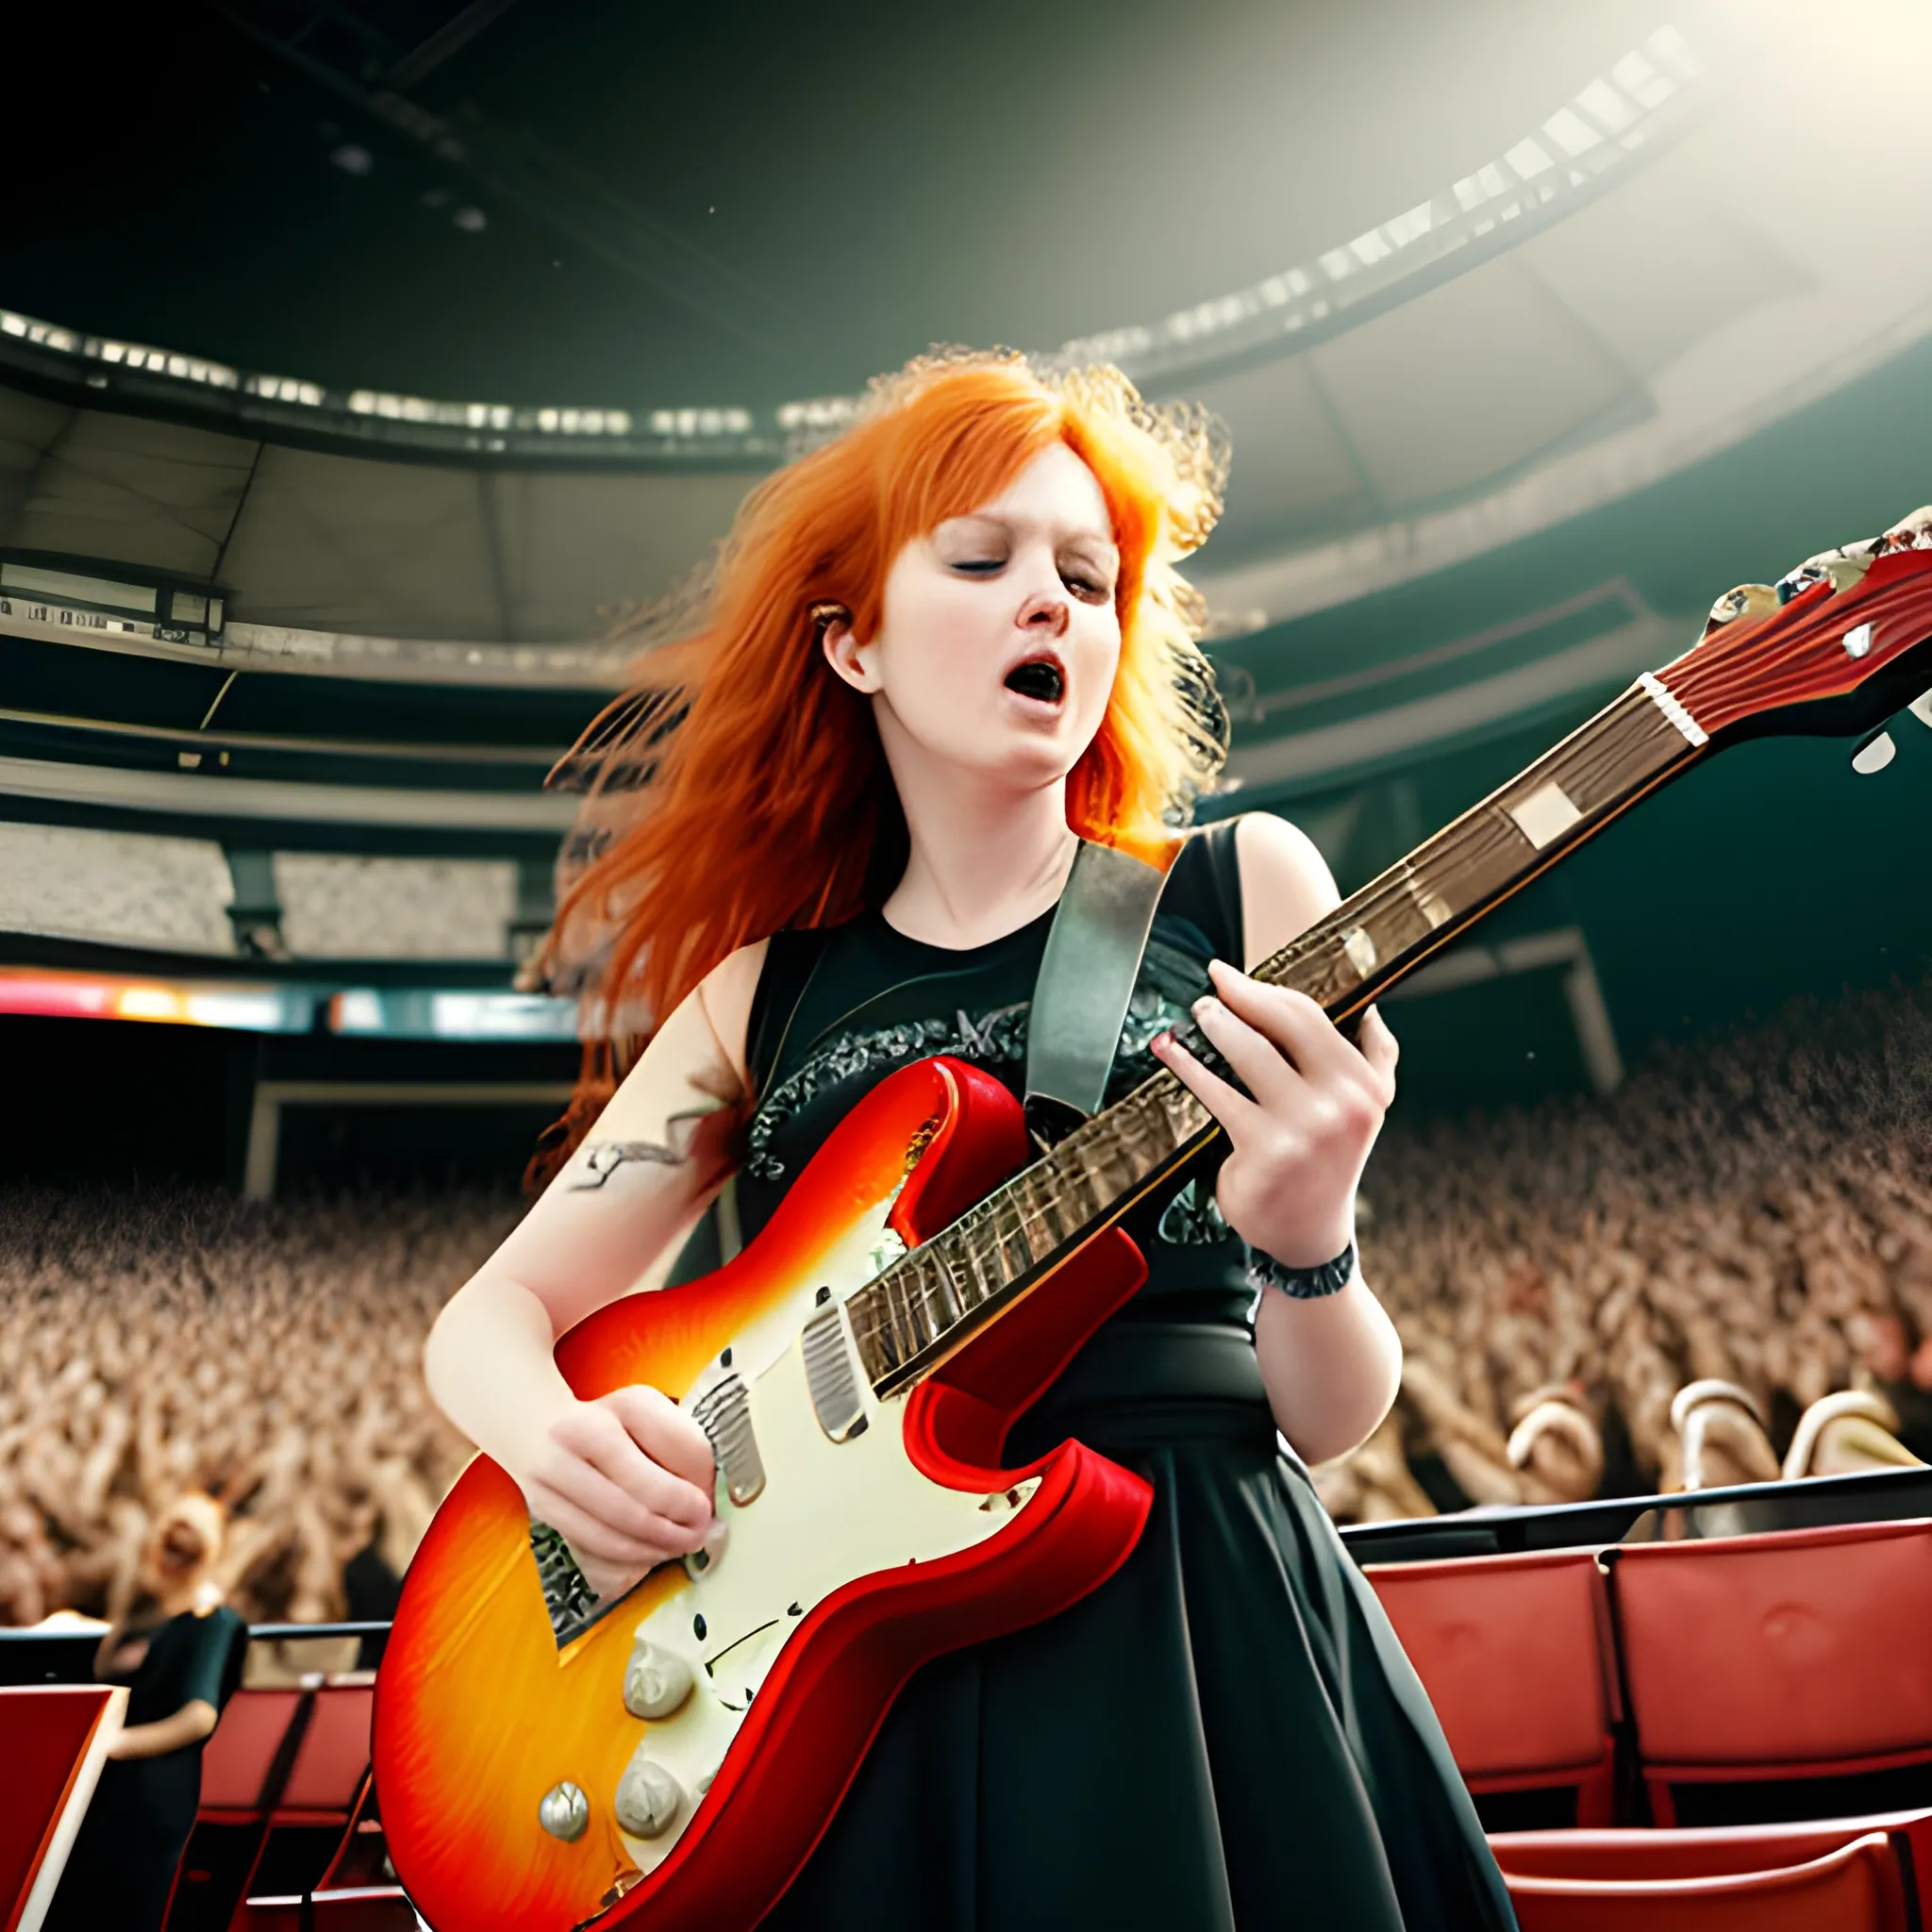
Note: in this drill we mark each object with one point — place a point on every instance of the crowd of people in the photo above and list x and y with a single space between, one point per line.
269 1354
1756 1214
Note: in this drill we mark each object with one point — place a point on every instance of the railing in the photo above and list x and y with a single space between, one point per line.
66 1656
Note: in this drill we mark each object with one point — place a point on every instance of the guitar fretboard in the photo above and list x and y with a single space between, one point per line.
921 1308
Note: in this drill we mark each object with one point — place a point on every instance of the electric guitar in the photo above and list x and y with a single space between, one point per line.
669 1762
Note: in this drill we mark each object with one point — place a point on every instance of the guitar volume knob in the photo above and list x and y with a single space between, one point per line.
656 1683
648 1798
563 1811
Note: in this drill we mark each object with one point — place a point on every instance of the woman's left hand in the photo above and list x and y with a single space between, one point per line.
1299 1144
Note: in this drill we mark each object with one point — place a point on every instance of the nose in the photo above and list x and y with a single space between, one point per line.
1044 612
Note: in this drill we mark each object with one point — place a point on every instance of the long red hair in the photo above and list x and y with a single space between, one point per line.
739 786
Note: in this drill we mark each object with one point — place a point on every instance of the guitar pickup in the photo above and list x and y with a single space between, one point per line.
724 1412
832 1375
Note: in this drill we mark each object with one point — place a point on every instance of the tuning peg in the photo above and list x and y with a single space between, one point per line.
1912 533
1745 600
1874 754
1841 567
1920 707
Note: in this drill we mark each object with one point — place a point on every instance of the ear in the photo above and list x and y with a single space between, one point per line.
857 664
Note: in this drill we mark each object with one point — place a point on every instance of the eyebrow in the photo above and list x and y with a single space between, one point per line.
1010 523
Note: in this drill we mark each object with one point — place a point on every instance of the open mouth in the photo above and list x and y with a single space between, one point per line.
1039 678
181 1548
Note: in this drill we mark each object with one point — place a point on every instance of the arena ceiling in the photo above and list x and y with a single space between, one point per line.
1440 298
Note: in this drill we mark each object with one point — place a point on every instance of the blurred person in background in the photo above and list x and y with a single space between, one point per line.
178 1649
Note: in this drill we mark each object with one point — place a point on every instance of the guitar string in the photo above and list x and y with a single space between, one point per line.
1463 846
1599 745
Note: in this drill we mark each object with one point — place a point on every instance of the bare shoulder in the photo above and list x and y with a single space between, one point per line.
1285 884
727 993
696 1062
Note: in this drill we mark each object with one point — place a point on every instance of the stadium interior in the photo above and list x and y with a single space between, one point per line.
368 375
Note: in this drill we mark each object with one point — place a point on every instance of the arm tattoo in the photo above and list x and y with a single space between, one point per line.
602 1159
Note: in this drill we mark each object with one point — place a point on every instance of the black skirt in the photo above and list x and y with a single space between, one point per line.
1224 1735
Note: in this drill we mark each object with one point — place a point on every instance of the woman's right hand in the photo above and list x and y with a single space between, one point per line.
626 1480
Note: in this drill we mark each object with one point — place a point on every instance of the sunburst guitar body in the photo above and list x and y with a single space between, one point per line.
672 1764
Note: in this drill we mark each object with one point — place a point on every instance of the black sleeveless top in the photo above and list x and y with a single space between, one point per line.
838 1010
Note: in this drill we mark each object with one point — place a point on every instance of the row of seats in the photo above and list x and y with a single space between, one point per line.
1645 1681
1625 1680
283 1785
1628 1678
1799 1654
1849 1876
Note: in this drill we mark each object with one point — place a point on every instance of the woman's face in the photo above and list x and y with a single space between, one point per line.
998 639
184 1546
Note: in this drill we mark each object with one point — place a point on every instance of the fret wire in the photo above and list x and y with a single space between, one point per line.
1486 833
907 1314
1009 1233
939 1286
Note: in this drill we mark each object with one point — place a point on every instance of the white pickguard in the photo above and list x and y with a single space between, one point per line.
829 1512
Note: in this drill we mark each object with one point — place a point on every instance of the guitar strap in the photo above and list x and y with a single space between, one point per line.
1080 996
1086 979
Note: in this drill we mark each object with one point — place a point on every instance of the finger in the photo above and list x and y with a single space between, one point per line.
588 1537
606 1465
647 1539
609 1581
1231 1107
1292 1020
1378 1045
1263 1069
665 1433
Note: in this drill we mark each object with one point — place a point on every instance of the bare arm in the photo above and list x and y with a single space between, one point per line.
627 1479
1331 1365
194 1722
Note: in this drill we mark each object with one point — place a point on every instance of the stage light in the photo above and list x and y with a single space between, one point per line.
57 995
150 1003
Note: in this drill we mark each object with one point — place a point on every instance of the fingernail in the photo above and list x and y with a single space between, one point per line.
1161 1041
1205 1005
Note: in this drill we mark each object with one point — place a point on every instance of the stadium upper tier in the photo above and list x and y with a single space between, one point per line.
1493 455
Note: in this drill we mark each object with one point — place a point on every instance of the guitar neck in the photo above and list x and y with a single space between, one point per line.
925 1306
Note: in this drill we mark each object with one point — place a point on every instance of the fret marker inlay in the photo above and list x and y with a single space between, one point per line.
1432 907
1545 815
1360 949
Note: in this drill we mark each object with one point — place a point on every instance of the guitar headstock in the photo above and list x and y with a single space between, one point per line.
1834 648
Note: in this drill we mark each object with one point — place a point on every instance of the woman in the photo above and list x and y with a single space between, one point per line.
939 649
180 1654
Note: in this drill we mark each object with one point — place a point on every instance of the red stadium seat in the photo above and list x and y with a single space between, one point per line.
332 1760
1712 1851
1856 1888
306 1821
1515 1655
237 1759
56 1740
1798 1654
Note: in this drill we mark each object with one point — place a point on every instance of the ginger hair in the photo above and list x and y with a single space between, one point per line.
739 786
